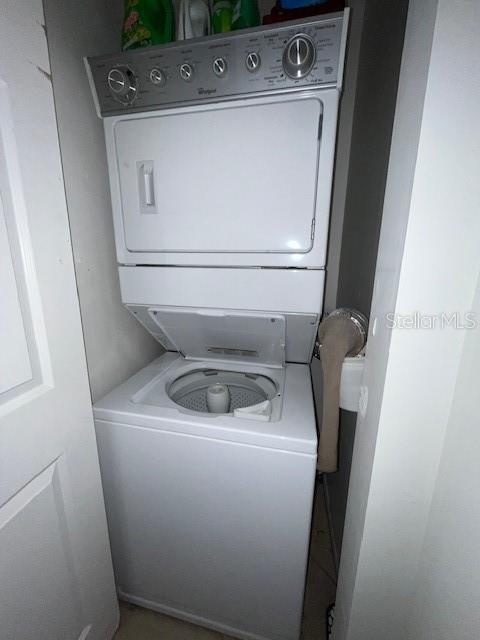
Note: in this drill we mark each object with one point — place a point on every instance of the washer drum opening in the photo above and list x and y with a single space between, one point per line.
246 389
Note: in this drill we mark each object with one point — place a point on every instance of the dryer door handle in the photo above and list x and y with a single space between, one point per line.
149 188
146 187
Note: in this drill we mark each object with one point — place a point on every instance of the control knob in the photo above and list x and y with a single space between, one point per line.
299 56
157 77
123 84
252 61
186 71
220 67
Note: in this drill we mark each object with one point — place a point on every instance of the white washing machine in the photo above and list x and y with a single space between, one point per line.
220 155
209 515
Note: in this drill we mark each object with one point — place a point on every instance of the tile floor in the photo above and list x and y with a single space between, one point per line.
141 624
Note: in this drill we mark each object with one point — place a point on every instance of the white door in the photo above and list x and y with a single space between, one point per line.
222 178
56 580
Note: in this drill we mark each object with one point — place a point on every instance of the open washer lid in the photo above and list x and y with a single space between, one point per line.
216 334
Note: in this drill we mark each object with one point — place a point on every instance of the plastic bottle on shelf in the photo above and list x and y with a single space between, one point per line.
245 14
222 13
147 22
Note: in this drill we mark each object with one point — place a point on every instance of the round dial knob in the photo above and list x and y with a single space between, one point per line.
299 56
253 62
123 84
157 77
186 71
220 67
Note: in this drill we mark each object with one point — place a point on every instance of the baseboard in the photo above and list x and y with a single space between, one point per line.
188 617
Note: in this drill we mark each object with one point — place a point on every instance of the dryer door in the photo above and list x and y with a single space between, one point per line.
238 177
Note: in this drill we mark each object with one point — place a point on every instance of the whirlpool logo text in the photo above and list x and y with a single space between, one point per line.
206 92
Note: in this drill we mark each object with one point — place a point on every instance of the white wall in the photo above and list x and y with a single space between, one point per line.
429 262
448 585
115 12
116 345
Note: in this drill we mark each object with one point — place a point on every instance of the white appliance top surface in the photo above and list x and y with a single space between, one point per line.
295 431
217 334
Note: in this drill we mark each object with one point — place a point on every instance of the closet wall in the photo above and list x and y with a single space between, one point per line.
116 345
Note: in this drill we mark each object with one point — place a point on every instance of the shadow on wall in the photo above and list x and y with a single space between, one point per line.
116 345
377 82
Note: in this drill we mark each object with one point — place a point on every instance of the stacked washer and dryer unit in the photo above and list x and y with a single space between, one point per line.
220 155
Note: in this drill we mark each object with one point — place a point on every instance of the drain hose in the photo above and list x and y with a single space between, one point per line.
341 334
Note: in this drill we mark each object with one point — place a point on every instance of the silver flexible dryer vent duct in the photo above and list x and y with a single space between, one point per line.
342 333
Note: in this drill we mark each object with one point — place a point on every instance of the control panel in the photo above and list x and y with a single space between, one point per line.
289 56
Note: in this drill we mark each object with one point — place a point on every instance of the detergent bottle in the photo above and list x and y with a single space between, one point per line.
222 12
147 22
245 14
